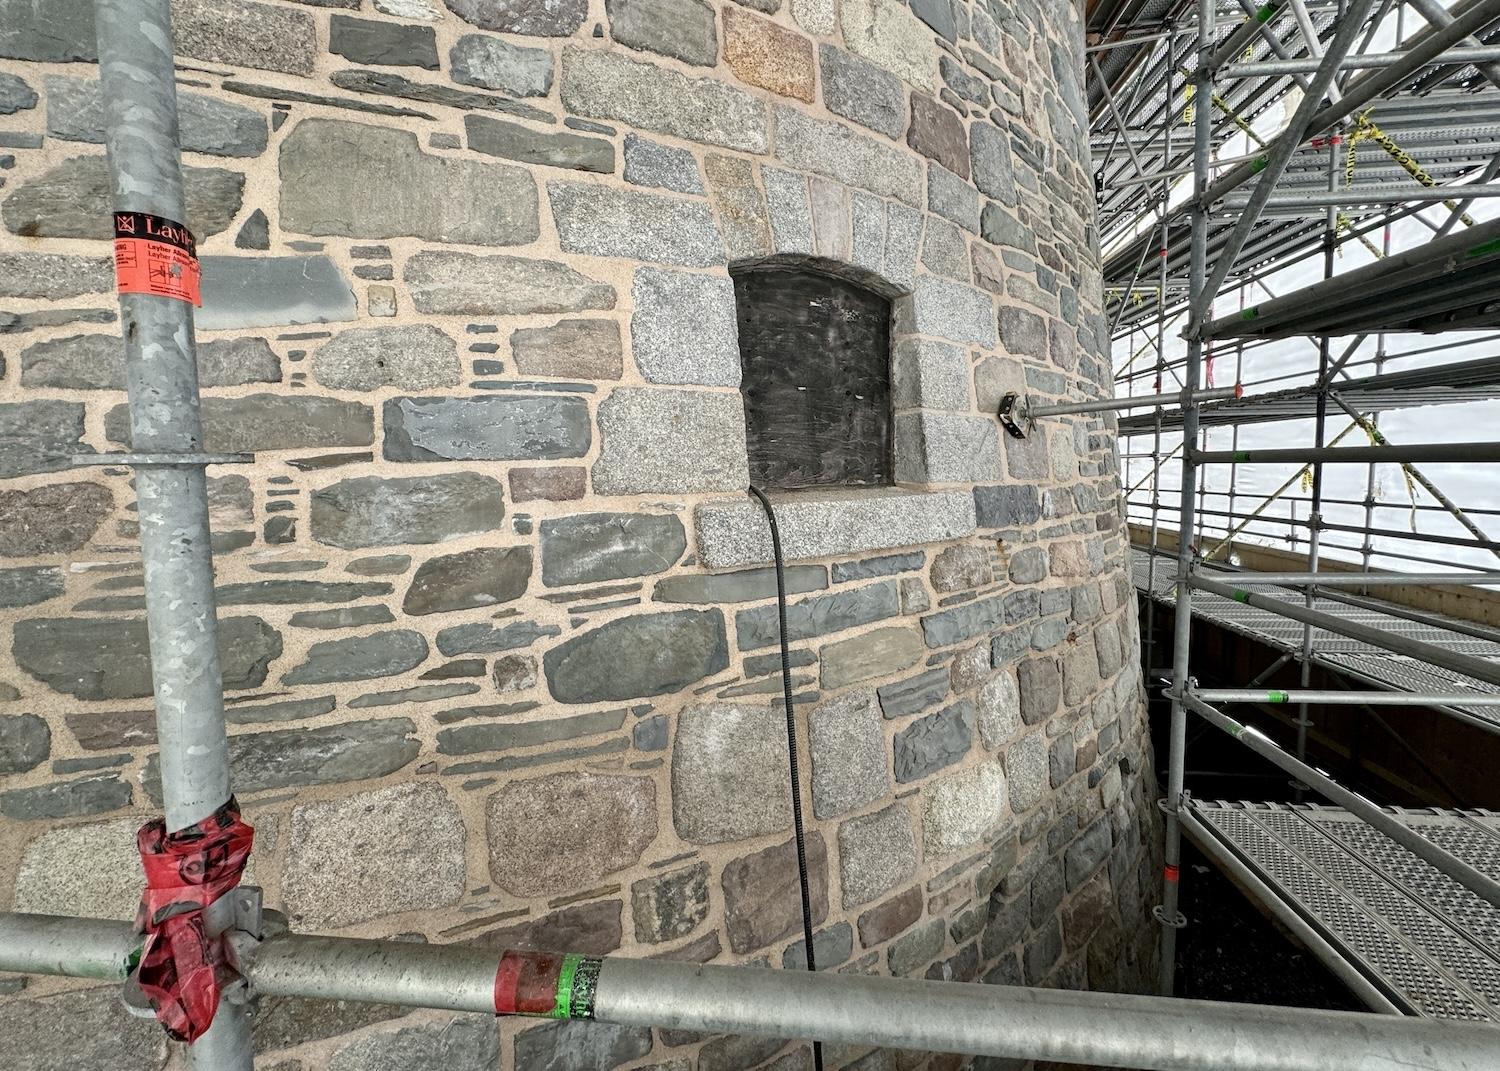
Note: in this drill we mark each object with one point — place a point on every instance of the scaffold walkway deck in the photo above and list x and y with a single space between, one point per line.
1407 937
1353 658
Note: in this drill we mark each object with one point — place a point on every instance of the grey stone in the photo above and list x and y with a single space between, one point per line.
395 849
973 89
962 807
1107 647
831 947
390 44
15 94
572 349
1026 766
55 31
464 1043
761 902
1086 853
818 615
726 761
1041 689
913 951
633 657
494 63
938 134
28 586
52 519
665 167
509 735
877 852
66 799
902 230
486 428
822 524
437 198
682 29
243 33
87 1028
606 85
592 929
1080 673
748 585
272 292
989 149
887 34
953 311
939 15
1023 332
952 198
847 745
789 211
464 284
513 673
72 199
108 658
671 905
683 328
91 870
512 141
877 653
737 1053
25 742
929 744
591 547
914 695
604 222
861 91
390 512
54 275
655 440
484 576
1007 506
410 358
402 9
884 565
215 127
357 658
999 227
999 706
651 734
837 151
534 18
561 832
967 621
742 209
480 638
1028 565
578 1046
961 567
379 565
944 250
868 237
260 422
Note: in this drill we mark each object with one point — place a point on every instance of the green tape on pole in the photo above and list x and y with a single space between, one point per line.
563 1007
1251 313
1258 165
1484 249
576 983
1242 596
1242 455
1278 697
1266 13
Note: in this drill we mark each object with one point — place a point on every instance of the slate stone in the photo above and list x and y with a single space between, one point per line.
967 621
512 141
914 950
1041 688
54 275
437 198
486 428
877 852
410 358
877 653
382 43
818 615
593 929
683 328
29 585
464 1043
1028 565
533 18
73 199
938 134
569 349
832 946
55 31
665 167
762 903
373 511
765 54
108 658
881 923
272 292
591 547
579 1046
379 565
262 422
289 710
480 638
25 742
682 29
485 576
838 152
668 906
75 112
288 758
15 94
52 519
509 735
1007 506
398 848
1026 768
1086 853
725 759
883 565
66 799
1000 228
637 656
916 694
259 592
651 734
741 208
994 174
737 1052
931 743
358 658
86 1028
847 745
962 807
464 284
391 84
606 85
657 440
494 63
747 585
603 222
952 198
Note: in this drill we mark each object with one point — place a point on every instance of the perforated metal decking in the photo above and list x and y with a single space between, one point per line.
1426 944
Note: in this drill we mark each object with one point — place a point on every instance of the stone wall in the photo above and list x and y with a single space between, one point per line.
498 628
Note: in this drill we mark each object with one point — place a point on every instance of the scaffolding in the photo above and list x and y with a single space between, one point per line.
1322 132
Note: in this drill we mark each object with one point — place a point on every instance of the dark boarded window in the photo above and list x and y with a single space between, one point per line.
815 356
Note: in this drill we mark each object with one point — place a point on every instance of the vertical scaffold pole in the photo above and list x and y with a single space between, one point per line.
1167 913
161 371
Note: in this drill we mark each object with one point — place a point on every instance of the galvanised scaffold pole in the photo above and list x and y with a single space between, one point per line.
1277 697
1461 453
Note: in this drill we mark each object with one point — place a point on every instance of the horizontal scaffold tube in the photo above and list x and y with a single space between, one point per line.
1461 453
1138 401
1356 580
1103 1029
1347 699
1386 639
1263 68
1481 885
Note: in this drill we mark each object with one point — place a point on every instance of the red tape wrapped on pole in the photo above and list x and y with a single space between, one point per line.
182 970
